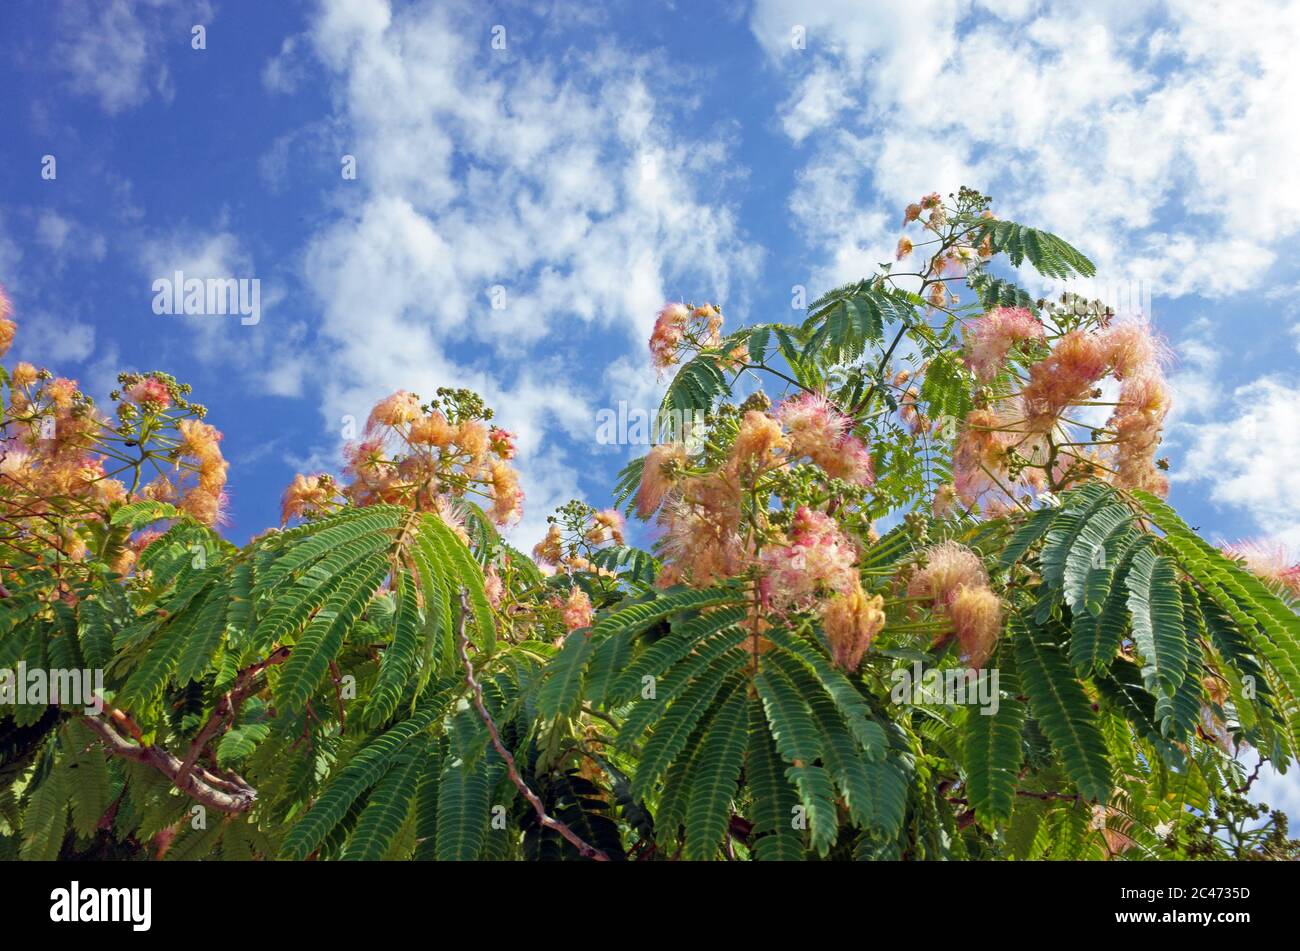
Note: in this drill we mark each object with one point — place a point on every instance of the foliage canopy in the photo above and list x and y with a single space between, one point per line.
389 678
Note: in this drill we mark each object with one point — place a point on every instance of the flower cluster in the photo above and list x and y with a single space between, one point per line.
713 511
822 433
577 611
954 259
680 328
851 622
814 561
574 535
989 338
955 583
1034 438
1270 561
717 523
815 568
7 327
64 466
419 455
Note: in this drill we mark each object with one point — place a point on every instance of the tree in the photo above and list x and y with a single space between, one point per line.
1038 659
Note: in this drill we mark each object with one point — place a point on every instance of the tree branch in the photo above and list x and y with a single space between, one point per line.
230 793
462 646
228 707
224 795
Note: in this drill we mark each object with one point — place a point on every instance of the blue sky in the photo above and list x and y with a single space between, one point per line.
606 160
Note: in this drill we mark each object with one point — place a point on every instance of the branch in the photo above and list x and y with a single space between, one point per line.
462 647
228 707
224 795
229 793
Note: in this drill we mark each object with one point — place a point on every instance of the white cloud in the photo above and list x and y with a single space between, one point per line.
1250 457
570 190
65 238
1100 121
1195 377
49 340
285 71
114 50
1242 445
268 351
11 255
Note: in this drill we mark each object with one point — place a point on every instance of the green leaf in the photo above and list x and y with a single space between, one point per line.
799 742
1050 255
324 636
138 514
1062 710
674 727
691 394
715 775
348 784
385 812
561 689
398 662
1088 552
775 799
463 792
848 702
1156 605
992 752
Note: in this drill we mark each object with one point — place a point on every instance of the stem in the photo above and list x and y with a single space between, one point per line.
462 647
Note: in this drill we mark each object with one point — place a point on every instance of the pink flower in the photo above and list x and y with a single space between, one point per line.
655 481
1066 376
1268 560
1138 420
306 494
7 327
502 442
850 460
577 611
549 550
818 558
1132 348
815 427
851 622
759 440
150 390
976 615
61 392
990 338
670 326
394 410
820 432
493 586
507 496
607 525
949 567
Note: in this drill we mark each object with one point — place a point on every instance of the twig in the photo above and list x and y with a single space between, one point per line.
228 707
224 795
462 646
1253 776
